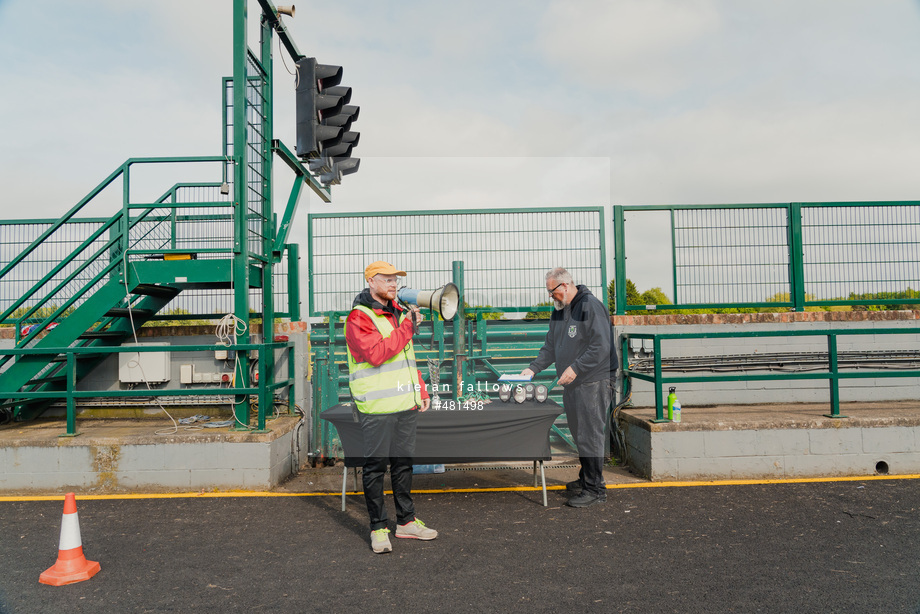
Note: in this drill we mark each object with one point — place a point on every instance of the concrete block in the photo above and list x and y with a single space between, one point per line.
888 439
247 455
754 467
902 463
662 469
835 441
638 439
702 468
829 465
145 479
194 456
210 479
256 479
25 459
148 457
68 479
75 458
721 444
678 444
21 481
280 449
280 470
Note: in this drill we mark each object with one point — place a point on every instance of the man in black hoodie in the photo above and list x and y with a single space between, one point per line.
578 342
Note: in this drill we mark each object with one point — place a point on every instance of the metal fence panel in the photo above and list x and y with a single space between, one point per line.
730 255
857 249
779 256
505 253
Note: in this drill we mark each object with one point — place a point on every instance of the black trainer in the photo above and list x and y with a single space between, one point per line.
586 498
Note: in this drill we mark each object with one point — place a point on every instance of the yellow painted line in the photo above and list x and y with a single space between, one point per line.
256 493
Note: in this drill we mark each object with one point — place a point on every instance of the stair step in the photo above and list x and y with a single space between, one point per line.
154 290
123 312
50 379
101 334
63 358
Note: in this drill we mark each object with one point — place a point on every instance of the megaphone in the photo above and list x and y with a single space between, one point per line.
286 10
445 300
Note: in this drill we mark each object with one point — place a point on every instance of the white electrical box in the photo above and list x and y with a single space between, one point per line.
220 354
186 372
140 367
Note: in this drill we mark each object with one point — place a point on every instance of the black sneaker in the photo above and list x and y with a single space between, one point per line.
586 498
574 486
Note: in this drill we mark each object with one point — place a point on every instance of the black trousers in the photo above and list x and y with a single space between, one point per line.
586 413
388 439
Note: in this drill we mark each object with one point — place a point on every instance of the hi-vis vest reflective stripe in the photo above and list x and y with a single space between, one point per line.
387 388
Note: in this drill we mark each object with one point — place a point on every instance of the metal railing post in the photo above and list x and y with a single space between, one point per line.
459 333
71 401
659 393
834 380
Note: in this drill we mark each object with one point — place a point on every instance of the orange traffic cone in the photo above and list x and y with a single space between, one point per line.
71 565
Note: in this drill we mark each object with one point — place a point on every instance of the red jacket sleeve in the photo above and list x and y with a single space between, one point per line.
368 345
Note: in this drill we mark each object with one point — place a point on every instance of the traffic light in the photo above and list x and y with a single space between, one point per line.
324 119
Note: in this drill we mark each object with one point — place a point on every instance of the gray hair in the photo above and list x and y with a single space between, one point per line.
561 275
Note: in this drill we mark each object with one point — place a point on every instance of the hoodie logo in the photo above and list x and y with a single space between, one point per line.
572 331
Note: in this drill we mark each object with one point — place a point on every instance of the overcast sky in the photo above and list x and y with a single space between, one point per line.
505 103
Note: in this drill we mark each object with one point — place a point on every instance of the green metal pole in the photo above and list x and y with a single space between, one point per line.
659 393
834 380
265 393
796 255
266 355
240 265
673 259
71 401
619 246
125 222
293 266
459 332
605 283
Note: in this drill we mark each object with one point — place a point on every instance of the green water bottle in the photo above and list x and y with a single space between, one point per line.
672 396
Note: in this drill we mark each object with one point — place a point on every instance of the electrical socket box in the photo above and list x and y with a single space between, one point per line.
140 367
221 354
186 373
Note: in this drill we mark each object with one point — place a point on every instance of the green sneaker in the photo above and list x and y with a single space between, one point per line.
380 541
415 530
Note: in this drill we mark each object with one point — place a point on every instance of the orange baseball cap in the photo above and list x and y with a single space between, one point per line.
382 268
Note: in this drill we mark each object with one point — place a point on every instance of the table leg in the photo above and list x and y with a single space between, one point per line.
543 477
344 485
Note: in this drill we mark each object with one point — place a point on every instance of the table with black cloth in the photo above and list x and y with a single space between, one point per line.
497 432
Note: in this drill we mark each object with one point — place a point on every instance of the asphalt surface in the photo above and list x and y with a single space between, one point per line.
848 546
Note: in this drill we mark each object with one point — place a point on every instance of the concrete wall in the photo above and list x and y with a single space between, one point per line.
97 460
815 448
813 391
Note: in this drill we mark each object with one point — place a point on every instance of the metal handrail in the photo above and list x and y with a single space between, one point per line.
658 378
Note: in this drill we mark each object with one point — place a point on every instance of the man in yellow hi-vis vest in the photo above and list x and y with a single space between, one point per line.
388 391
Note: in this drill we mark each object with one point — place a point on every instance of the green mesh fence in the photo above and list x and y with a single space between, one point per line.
791 255
505 253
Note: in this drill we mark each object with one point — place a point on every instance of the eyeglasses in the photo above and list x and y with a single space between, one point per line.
556 288
389 281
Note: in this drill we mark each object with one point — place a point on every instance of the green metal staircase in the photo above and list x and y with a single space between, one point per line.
97 296
218 234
